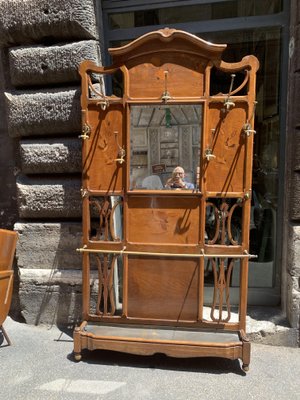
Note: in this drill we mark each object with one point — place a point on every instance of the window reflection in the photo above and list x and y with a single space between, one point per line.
198 12
163 139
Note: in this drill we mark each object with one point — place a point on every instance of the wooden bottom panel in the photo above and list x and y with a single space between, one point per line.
146 340
163 288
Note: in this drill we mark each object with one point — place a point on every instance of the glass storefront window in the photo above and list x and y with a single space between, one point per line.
265 38
198 12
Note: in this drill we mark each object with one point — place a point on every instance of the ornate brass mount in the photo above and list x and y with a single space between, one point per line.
166 95
86 131
247 128
84 192
247 195
209 154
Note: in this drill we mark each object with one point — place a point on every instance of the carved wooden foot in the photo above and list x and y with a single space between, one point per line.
77 356
245 367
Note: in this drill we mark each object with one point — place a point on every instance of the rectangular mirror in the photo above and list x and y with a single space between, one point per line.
163 138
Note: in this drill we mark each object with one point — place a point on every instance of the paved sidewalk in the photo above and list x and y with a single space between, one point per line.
39 365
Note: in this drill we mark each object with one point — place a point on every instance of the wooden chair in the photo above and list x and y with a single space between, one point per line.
8 240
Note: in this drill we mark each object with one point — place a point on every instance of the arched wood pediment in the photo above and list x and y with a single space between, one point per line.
166 41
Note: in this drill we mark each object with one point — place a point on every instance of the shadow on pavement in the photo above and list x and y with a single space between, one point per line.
208 365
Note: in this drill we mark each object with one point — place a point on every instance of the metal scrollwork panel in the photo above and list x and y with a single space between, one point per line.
223 225
106 218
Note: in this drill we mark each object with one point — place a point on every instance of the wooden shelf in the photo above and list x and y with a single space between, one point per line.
172 341
161 334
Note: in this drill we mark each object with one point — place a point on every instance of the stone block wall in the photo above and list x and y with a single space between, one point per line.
42 46
291 261
8 153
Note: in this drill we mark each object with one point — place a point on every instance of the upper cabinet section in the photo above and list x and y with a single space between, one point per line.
166 65
182 118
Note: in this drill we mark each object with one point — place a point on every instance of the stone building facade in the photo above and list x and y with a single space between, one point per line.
42 44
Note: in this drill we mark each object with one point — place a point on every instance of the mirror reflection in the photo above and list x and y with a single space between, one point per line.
165 146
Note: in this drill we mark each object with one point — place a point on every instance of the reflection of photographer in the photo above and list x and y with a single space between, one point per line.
177 181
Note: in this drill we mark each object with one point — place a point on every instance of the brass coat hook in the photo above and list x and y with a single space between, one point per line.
166 95
121 151
229 103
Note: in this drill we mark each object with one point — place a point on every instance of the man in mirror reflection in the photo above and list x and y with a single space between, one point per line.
178 181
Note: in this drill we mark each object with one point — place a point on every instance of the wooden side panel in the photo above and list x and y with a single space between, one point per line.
101 171
163 220
184 77
227 141
163 288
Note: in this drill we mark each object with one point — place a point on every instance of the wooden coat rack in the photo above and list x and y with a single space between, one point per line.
148 248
